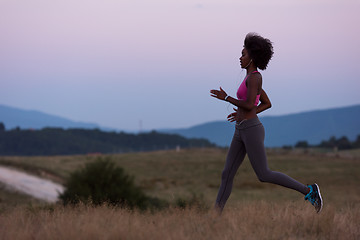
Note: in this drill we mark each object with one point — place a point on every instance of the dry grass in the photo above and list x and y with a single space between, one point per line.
254 211
256 220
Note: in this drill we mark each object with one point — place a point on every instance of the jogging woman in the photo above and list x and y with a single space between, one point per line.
249 131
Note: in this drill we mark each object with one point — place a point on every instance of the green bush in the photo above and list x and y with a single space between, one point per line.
102 182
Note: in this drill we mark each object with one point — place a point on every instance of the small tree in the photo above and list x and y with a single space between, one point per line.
102 182
2 127
343 143
302 144
356 143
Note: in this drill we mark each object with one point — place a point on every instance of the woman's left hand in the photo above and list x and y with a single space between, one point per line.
232 116
220 94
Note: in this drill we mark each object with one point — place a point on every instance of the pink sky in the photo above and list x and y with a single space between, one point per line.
117 63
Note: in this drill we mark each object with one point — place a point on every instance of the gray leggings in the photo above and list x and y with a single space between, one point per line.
249 138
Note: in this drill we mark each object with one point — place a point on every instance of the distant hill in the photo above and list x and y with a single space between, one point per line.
312 126
29 119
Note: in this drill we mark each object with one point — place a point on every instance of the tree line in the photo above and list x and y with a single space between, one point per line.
58 141
342 143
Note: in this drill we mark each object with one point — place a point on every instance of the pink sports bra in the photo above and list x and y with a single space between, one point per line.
242 91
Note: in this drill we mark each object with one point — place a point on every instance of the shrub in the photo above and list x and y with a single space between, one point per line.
302 144
102 182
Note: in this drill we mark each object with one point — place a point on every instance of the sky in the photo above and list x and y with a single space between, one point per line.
142 65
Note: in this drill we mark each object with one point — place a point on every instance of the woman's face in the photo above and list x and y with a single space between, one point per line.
244 59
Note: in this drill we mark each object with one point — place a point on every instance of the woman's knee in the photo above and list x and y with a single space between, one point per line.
262 179
265 177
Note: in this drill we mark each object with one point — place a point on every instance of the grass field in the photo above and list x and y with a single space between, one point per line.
254 211
256 220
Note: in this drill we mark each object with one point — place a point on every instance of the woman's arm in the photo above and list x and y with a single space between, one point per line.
264 102
248 104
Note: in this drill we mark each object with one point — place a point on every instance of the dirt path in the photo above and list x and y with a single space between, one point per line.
32 185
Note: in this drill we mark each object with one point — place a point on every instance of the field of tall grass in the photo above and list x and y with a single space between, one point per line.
254 211
255 220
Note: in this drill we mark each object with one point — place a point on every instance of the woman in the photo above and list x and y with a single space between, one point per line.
249 131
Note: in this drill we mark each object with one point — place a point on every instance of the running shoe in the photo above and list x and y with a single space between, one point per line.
314 197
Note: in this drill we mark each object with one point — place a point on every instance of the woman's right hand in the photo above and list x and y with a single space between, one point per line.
232 116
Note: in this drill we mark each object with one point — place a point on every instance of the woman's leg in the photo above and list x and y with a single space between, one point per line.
234 159
254 143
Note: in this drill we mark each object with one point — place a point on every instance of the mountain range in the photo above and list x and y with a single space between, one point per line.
311 126
30 119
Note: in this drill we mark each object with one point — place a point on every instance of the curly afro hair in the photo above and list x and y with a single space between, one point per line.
260 49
